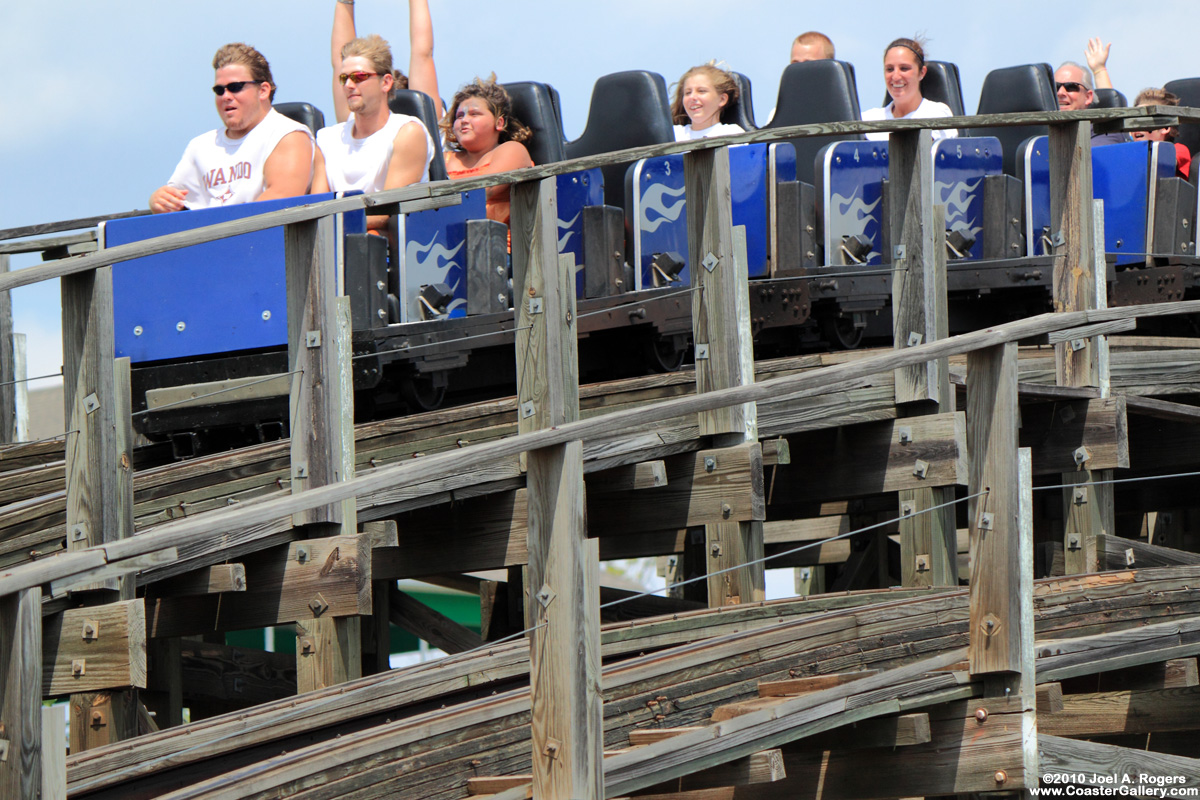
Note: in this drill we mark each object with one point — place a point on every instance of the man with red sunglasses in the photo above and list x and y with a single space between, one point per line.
259 154
371 148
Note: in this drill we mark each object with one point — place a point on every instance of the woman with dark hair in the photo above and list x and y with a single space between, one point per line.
903 69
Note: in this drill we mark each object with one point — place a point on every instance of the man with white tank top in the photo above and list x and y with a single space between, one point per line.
258 155
370 148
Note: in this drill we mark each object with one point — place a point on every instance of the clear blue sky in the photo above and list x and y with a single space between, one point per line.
99 98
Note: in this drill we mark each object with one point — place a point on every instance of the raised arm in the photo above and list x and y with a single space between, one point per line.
343 32
1097 61
422 76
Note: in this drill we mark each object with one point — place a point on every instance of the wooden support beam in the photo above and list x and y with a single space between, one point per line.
302 581
409 613
321 424
643 475
812 683
724 358
1175 673
322 432
919 287
567 724
1117 552
1073 238
762 767
876 457
92 458
54 754
21 695
1127 711
1096 764
1049 698
708 486
8 376
995 514
164 682
238 676
94 648
102 718
216 579
1057 431
902 730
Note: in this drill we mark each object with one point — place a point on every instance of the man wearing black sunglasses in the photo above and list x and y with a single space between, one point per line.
1073 86
259 154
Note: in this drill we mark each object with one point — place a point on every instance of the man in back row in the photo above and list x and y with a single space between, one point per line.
258 155
812 46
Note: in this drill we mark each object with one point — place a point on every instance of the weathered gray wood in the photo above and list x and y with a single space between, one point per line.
1072 233
437 465
54 754
8 376
21 695
918 296
1097 764
21 389
567 728
994 516
412 615
92 458
318 412
724 358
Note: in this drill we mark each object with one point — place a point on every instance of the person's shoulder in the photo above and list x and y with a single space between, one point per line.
277 122
332 133
933 108
728 129
874 114
682 132
513 150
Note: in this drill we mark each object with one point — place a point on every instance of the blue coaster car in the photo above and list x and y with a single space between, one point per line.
1124 176
434 243
850 178
214 298
656 209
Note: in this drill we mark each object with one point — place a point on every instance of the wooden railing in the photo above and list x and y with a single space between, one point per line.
562 606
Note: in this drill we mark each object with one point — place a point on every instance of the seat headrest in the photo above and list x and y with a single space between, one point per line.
812 92
816 91
533 105
741 111
628 109
1188 91
1108 98
1027 87
304 113
942 85
420 105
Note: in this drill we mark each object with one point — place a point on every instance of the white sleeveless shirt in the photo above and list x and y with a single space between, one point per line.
363 163
219 171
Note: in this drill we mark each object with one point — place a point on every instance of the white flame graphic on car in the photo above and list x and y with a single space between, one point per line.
430 269
958 199
853 214
564 224
653 200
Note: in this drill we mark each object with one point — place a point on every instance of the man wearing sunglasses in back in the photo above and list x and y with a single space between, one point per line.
259 154
371 148
1073 86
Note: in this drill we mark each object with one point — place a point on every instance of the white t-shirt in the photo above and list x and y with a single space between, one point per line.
219 171
363 163
684 133
929 109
